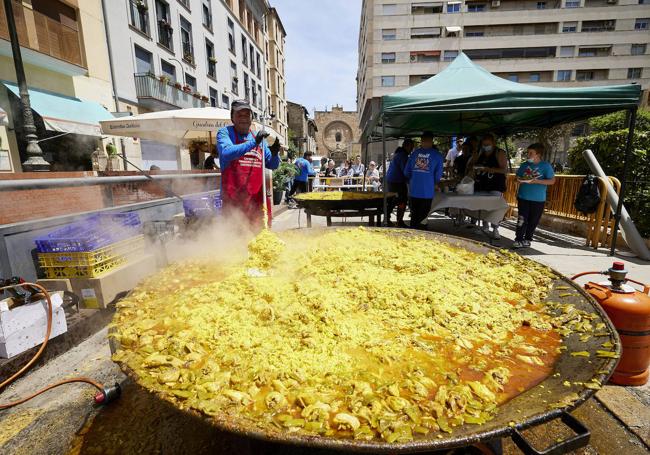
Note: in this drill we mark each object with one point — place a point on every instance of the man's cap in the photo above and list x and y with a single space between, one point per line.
238 105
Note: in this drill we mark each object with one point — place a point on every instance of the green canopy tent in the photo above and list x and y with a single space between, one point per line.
466 99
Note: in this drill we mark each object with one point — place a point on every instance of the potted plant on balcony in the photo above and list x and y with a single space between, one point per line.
213 60
196 95
141 5
205 99
178 85
187 89
189 58
164 78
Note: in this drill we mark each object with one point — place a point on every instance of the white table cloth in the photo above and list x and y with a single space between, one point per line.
483 206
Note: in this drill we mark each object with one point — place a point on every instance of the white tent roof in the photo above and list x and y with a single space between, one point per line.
173 126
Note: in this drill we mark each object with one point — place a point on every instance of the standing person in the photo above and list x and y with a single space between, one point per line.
423 171
490 168
396 181
452 154
534 176
211 161
323 164
357 167
372 176
305 170
240 156
461 161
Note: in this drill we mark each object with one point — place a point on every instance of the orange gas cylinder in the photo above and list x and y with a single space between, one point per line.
629 310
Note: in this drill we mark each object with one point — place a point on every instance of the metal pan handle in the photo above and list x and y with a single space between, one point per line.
580 439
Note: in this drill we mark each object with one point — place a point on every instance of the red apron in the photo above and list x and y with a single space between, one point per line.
241 185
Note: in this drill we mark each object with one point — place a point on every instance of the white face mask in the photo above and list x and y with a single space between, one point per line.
487 148
531 160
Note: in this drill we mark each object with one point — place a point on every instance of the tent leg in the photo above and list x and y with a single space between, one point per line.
383 177
364 153
505 141
626 164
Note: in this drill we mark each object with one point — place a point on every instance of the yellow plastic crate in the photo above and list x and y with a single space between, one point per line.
92 258
84 271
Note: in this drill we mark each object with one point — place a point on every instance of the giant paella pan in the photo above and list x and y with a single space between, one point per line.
325 202
375 341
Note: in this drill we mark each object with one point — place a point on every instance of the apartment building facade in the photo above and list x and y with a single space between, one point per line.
172 54
64 52
302 127
275 77
560 43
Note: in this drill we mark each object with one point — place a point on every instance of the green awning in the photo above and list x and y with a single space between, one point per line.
467 99
64 113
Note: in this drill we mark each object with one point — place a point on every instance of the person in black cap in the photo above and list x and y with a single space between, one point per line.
240 157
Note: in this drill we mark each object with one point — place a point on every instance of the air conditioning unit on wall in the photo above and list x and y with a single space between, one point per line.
496 3
414 58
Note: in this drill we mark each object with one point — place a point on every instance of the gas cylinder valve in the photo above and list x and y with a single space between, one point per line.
108 394
616 274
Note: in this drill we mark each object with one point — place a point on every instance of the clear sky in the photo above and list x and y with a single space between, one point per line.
321 53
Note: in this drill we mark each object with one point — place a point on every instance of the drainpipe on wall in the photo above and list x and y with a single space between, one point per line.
112 69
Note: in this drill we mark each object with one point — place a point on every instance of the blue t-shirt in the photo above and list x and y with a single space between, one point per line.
423 170
305 169
534 191
395 172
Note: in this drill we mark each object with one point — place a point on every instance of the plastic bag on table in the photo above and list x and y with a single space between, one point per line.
466 186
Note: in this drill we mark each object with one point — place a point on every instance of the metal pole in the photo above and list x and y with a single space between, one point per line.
383 177
626 165
116 99
35 160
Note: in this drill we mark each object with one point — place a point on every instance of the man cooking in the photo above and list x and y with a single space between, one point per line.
240 158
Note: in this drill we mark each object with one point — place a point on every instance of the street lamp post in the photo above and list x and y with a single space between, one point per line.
35 160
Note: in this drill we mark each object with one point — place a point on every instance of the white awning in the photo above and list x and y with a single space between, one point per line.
453 28
454 3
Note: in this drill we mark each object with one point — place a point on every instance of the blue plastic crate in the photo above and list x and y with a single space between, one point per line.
202 205
91 233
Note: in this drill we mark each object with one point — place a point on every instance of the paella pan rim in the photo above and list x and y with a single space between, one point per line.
477 433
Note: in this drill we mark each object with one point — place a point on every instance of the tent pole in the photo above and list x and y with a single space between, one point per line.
364 153
383 177
626 164
505 141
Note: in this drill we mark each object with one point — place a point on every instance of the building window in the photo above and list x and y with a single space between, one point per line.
388 34
473 34
168 70
143 63
564 75
225 101
425 32
450 55
244 50
186 41
475 7
419 8
598 26
234 79
254 94
634 73
567 51
191 81
582 75
453 7
642 24
212 59
231 37
247 87
388 81
541 5
165 30
388 57
389 9
185 3
638 49
251 52
425 56
207 15
259 91
534 77
214 97
140 15
513 78
259 67
572 4
569 27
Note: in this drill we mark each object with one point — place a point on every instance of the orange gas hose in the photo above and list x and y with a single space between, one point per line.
48 332
585 273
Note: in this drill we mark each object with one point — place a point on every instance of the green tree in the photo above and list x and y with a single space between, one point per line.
607 141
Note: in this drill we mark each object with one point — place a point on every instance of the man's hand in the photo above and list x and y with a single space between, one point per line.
261 136
275 148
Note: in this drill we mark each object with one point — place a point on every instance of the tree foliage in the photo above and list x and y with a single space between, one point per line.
607 141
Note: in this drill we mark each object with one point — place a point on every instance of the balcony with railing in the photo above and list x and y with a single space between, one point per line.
157 93
42 34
